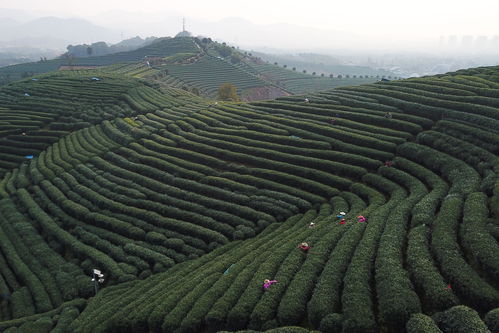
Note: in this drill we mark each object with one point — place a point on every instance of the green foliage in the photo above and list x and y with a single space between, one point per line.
331 323
420 323
492 320
42 325
227 92
187 206
460 319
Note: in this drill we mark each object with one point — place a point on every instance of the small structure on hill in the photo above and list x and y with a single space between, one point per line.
183 33
153 61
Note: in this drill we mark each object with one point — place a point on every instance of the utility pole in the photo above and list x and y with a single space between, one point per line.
183 24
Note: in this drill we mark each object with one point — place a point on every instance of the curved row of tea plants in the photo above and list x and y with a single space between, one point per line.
35 113
188 208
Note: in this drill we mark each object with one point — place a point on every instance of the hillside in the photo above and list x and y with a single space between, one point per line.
161 47
36 113
186 206
198 65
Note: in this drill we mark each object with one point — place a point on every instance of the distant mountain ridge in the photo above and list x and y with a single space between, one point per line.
53 32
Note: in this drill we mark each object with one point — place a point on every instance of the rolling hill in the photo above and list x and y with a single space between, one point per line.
187 206
198 65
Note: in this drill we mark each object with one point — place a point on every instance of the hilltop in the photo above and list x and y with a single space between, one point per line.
186 206
201 66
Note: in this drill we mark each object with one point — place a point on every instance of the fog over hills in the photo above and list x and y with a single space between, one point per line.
405 55
31 27
52 32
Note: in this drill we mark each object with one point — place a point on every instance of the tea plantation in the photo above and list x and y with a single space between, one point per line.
187 206
162 47
193 64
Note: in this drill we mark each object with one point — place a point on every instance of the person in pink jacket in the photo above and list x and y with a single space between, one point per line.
267 283
361 218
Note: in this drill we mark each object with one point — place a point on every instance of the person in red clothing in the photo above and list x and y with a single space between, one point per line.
304 247
343 221
388 163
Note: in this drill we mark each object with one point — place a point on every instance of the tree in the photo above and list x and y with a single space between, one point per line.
224 51
313 73
235 58
90 50
322 74
228 92
69 58
304 71
331 75
285 66
294 68
195 91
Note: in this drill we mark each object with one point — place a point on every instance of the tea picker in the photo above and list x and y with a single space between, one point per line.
341 215
304 247
97 277
267 283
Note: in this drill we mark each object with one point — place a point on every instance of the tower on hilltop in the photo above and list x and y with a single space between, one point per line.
183 33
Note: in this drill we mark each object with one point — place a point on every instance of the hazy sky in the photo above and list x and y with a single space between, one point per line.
390 17
371 24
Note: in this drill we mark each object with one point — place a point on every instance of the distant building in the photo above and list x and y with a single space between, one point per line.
183 33
467 42
441 42
494 43
452 42
481 43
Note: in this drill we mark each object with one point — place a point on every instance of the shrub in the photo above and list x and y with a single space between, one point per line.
492 320
332 323
421 323
42 325
460 319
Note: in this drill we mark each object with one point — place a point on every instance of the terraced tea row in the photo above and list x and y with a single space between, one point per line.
298 82
407 213
187 209
37 112
162 47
